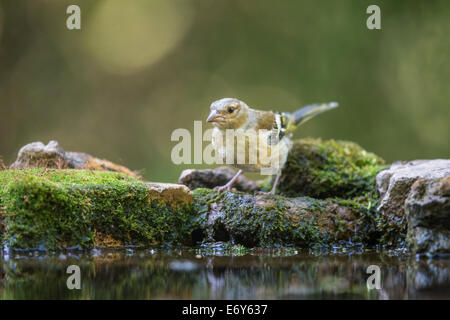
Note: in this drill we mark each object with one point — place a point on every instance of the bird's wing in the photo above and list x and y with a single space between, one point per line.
275 122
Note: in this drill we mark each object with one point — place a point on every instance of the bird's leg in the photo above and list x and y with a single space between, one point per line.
275 183
274 186
229 183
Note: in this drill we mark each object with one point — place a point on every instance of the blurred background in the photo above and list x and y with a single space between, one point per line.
137 70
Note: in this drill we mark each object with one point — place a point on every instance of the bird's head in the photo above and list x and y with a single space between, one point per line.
228 113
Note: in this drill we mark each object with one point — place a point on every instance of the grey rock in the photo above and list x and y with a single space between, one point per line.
427 210
210 178
37 154
394 184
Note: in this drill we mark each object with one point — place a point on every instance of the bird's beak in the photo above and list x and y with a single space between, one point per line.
215 117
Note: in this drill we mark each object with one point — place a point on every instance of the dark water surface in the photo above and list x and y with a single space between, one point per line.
222 274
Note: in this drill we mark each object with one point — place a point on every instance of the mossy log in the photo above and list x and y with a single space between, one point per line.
268 221
330 183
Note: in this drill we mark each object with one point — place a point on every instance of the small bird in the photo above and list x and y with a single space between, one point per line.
273 130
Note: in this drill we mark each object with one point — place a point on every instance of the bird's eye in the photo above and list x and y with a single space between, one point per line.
230 109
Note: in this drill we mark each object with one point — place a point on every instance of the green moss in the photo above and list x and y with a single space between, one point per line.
332 184
259 221
329 168
51 208
332 198
266 221
373 226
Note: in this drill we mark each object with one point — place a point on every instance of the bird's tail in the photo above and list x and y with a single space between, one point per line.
304 114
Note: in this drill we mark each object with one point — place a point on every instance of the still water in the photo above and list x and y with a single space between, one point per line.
216 273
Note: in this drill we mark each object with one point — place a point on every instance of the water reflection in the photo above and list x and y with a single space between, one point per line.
187 274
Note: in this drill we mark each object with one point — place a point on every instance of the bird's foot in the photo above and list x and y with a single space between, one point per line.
222 188
229 184
264 193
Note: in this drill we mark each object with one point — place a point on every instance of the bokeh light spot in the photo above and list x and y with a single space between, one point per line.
126 37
